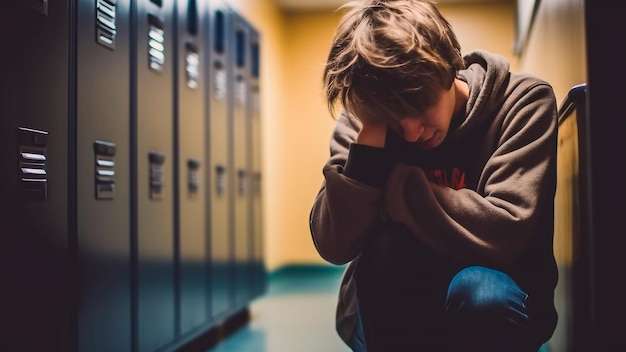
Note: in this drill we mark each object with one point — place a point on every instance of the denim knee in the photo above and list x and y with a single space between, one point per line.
487 298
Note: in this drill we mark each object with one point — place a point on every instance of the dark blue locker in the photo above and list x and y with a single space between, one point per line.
191 189
256 162
240 149
37 204
152 158
103 175
218 164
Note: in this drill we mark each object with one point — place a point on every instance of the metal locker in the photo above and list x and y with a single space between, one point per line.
103 175
152 158
240 146
190 160
256 211
37 205
573 235
218 164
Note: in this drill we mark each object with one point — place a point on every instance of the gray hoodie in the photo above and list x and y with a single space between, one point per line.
485 196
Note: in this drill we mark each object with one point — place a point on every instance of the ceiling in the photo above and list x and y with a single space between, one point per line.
312 5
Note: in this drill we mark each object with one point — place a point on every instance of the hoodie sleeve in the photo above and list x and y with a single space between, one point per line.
492 224
346 210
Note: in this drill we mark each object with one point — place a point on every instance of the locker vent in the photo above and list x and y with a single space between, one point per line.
106 27
33 177
192 66
193 182
157 182
156 43
105 169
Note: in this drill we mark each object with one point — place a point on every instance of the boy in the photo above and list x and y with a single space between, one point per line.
439 189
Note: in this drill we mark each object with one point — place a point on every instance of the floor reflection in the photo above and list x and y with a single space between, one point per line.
296 314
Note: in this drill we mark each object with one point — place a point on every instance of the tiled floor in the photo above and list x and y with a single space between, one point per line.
296 315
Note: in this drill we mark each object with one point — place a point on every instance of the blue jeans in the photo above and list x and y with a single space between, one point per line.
411 299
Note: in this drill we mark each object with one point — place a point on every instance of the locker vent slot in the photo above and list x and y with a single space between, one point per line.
159 3
106 28
157 175
220 179
33 177
255 60
192 66
192 17
105 169
240 48
219 32
193 181
156 43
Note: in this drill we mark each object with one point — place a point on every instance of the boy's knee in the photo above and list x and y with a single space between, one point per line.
479 294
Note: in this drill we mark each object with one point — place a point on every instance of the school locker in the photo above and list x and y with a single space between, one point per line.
258 271
190 154
152 157
103 175
36 181
240 147
35 145
219 169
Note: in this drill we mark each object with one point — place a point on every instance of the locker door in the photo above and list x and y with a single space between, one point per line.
240 139
153 187
103 175
192 243
36 181
254 111
218 164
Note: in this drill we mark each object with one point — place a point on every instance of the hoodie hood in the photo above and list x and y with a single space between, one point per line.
487 76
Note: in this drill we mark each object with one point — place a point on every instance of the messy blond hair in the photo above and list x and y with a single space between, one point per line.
390 59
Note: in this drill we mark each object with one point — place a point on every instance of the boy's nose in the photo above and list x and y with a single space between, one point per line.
412 130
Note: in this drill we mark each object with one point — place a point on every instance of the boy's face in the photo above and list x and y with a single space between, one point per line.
429 129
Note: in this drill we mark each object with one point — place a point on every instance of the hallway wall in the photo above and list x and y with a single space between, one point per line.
297 125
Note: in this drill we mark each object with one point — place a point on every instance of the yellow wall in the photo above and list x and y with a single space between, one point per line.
296 125
268 19
556 48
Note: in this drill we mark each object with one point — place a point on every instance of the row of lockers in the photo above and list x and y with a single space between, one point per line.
130 172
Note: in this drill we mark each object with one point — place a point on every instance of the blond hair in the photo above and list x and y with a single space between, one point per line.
390 59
